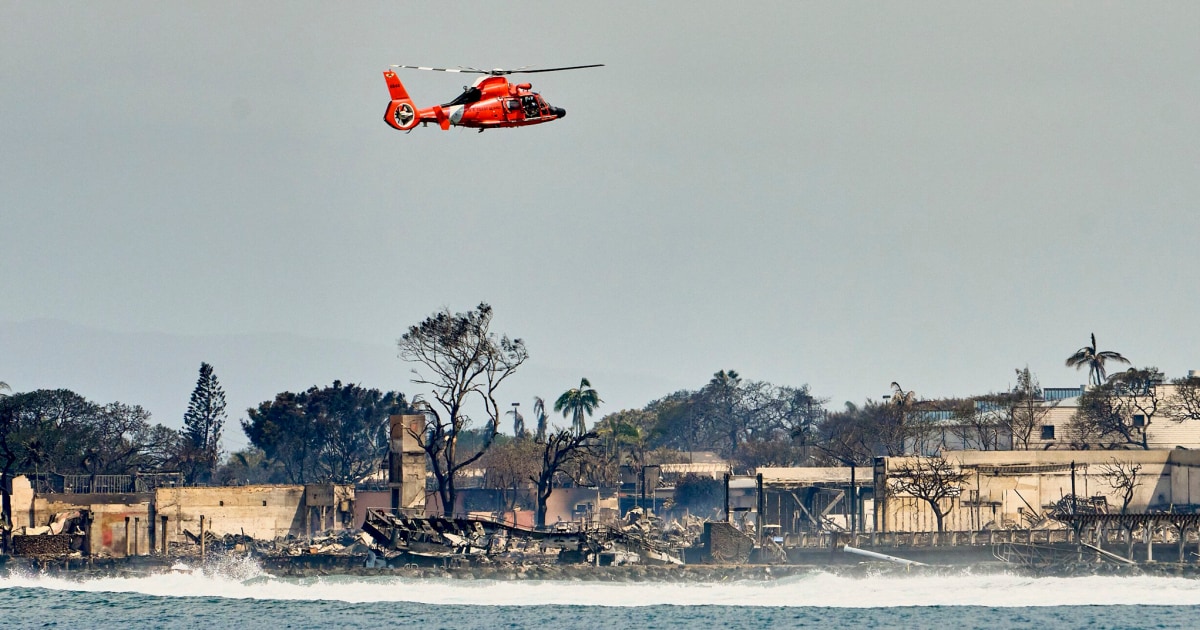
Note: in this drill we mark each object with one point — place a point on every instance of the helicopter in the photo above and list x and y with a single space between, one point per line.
489 103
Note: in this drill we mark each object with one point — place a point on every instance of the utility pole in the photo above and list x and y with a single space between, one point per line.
727 519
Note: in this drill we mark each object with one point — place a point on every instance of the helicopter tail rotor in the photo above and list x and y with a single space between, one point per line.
401 111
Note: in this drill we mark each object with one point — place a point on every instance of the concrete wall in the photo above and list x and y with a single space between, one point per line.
107 535
406 461
367 500
262 512
1003 487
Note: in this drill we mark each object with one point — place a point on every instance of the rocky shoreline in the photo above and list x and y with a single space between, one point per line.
307 567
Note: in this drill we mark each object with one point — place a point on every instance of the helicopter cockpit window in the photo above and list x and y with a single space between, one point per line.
531 105
512 104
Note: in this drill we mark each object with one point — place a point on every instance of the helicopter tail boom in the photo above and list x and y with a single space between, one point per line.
401 111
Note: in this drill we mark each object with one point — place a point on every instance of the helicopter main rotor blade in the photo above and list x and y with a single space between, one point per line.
523 71
553 70
465 70
496 72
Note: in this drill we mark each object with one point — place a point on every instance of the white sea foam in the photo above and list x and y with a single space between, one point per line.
818 589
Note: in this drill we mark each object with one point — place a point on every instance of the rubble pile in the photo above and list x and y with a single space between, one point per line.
235 543
62 536
42 545
342 543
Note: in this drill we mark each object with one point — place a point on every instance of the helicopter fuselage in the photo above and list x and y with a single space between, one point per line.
491 102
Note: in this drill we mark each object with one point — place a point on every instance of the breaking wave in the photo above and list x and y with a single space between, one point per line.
244 580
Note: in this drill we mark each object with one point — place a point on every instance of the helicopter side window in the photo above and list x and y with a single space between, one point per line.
512 104
469 95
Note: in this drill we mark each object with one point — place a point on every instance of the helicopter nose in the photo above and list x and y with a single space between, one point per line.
560 112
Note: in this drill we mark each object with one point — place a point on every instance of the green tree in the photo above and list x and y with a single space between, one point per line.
464 363
722 400
249 466
61 431
1094 359
202 425
626 436
336 433
281 428
578 402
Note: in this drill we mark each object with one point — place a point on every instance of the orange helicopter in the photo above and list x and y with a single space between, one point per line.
489 103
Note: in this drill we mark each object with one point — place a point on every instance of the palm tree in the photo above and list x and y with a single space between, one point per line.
1094 360
4 388
576 402
539 415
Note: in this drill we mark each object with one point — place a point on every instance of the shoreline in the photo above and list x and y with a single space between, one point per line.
316 566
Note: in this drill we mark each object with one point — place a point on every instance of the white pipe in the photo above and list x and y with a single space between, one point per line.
881 556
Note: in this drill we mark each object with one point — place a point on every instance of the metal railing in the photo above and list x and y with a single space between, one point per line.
54 483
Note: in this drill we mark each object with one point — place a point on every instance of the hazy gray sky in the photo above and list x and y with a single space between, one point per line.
838 194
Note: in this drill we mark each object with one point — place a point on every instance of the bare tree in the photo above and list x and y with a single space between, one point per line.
979 423
464 363
1185 403
559 449
931 479
1026 409
1119 413
509 466
1123 478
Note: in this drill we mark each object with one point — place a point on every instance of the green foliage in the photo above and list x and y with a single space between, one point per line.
202 426
249 466
337 433
61 431
578 402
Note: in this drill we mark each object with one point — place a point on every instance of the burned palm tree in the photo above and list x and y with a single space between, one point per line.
1094 359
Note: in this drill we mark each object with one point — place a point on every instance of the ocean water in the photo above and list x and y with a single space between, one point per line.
241 596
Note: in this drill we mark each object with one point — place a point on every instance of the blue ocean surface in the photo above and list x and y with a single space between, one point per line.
243 597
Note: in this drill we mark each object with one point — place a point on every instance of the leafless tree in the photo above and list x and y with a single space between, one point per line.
509 466
979 423
559 449
1122 477
1119 413
1026 409
931 479
1184 405
463 363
